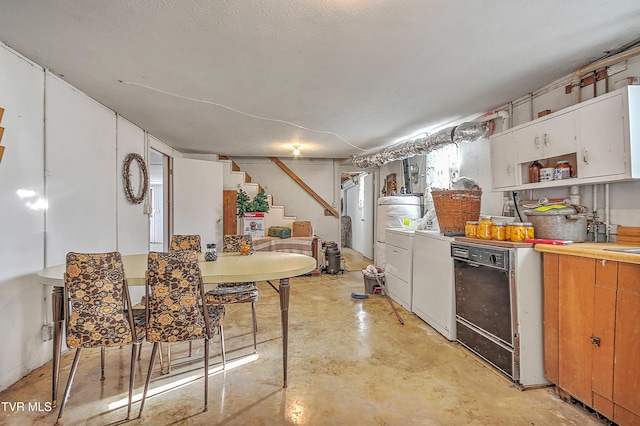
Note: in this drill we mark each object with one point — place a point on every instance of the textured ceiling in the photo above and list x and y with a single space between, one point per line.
337 77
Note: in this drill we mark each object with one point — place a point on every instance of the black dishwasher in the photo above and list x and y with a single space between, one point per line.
485 304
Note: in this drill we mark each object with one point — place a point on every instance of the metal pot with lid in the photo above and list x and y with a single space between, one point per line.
558 222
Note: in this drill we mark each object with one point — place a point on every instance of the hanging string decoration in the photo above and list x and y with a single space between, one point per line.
144 178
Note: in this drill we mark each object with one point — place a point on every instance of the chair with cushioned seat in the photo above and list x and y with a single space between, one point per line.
185 242
175 310
97 313
181 243
237 292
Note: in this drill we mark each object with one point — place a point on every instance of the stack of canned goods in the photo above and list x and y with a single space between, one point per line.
520 231
487 229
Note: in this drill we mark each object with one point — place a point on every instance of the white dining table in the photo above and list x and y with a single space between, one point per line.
229 267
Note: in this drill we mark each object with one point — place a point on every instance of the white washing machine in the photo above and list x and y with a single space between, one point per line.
398 269
433 282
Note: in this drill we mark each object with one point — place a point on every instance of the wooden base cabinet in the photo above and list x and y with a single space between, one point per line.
592 333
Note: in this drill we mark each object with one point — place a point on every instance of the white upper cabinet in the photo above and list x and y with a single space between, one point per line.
503 170
600 138
546 138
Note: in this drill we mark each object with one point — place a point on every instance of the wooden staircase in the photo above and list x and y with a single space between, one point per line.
234 178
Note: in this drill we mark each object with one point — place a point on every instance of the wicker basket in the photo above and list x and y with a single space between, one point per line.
455 207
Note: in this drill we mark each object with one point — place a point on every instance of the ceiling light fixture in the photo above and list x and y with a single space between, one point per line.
296 150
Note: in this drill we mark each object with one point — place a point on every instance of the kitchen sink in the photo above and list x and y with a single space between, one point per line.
632 250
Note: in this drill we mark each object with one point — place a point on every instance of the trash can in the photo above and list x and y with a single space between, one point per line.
371 279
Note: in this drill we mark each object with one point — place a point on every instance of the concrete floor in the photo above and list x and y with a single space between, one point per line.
350 363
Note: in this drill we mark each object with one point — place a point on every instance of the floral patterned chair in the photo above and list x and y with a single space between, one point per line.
185 242
182 243
239 292
97 299
175 309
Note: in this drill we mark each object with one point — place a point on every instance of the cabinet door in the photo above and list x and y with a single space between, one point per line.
603 336
551 311
503 171
626 380
553 137
576 305
601 139
559 135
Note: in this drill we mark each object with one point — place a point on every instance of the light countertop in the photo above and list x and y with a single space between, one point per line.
593 250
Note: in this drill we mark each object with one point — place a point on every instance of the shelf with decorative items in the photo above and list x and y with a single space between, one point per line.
549 171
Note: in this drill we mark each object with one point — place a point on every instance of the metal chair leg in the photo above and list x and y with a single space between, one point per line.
222 349
154 351
255 326
132 375
206 373
102 357
168 358
67 390
161 360
189 348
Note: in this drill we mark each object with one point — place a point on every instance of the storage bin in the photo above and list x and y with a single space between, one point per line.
370 281
280 231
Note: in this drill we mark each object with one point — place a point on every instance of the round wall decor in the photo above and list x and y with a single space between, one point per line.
144 178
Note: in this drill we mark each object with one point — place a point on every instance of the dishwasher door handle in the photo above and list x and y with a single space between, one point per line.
470 263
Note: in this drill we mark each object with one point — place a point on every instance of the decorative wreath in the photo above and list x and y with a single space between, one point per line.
128 189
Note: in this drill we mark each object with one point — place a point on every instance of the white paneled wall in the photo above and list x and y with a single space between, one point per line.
80 158
133 223
197 189
474 164
22 306
60 190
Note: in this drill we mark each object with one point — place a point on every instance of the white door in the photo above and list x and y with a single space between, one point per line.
156 197
197 199
366 217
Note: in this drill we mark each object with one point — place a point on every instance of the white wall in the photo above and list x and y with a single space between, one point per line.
21 227
132 222
68 150
80 164
475 164
320 174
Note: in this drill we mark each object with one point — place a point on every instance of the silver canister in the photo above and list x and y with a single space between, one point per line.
559 224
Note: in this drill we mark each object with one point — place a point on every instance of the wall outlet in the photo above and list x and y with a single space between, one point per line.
47 332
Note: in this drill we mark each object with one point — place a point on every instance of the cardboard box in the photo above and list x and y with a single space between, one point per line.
253 224
302 228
